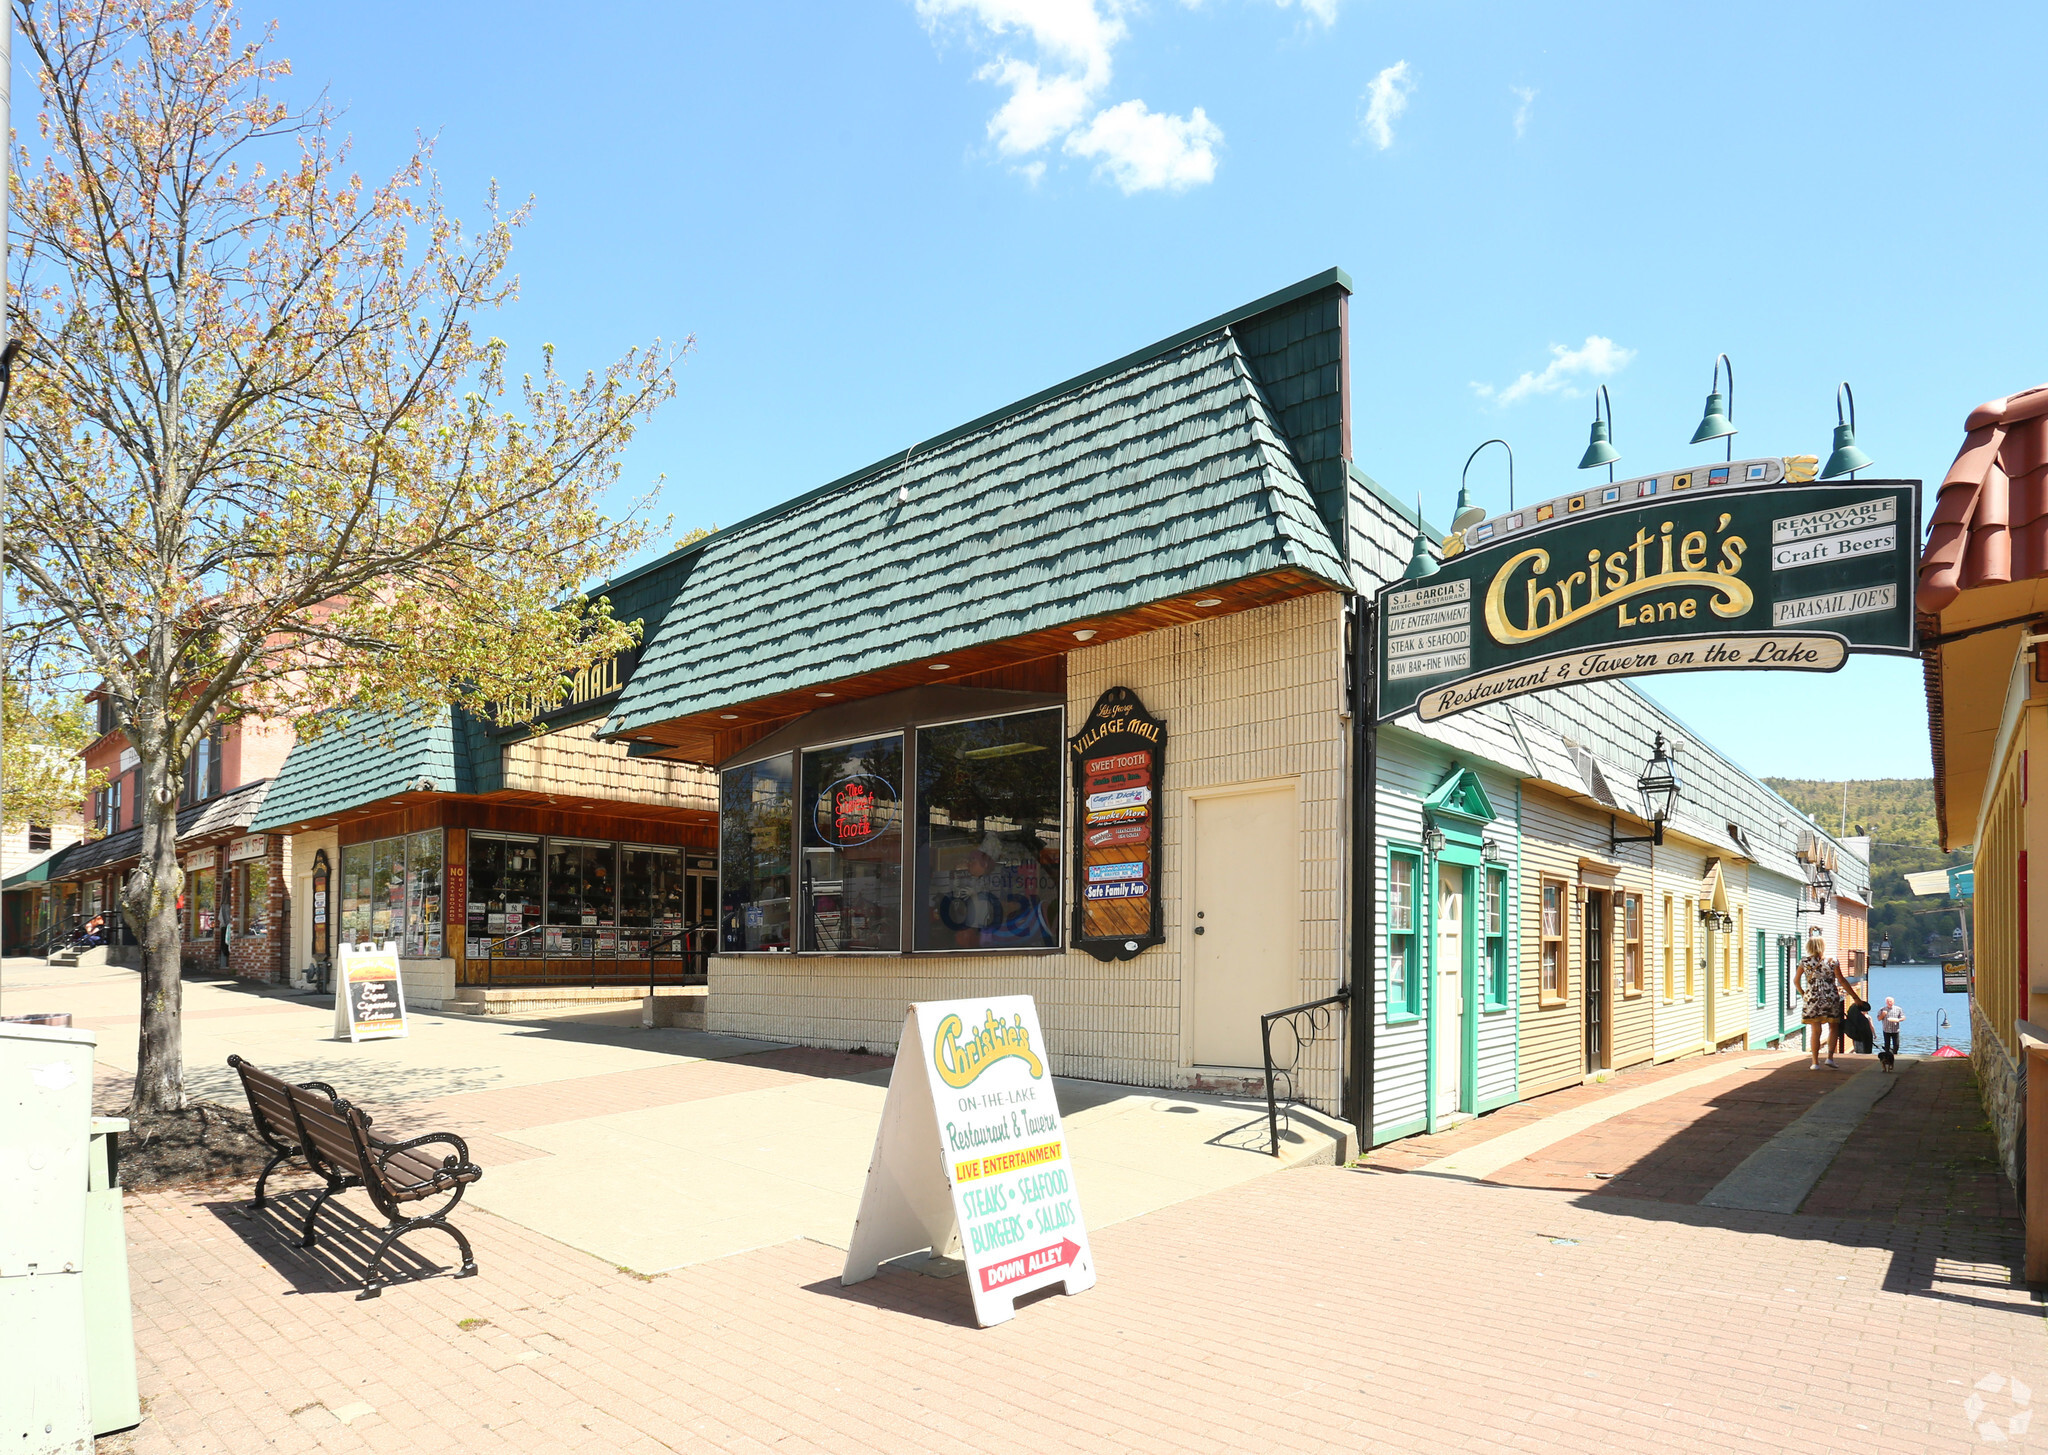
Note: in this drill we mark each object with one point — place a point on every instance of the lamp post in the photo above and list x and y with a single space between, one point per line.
1846 458
1469 514
1717 422
1659 787
1600 448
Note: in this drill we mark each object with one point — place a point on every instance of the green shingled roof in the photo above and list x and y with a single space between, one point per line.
1169 475
344 767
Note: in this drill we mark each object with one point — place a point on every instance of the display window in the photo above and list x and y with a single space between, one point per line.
852 834
989 833
654 891
251 902
200 886
504 886
391 890
754 814
955 827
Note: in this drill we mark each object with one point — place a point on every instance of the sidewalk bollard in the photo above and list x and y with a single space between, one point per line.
109 1315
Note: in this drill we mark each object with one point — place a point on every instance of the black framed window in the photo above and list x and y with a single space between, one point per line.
583 883
852 835
988 833
504 885
652 888
754 813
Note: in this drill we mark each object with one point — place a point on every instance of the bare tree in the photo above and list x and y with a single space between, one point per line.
266 464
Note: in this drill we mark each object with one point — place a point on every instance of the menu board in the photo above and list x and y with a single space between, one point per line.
1118 767
971 1157
369 997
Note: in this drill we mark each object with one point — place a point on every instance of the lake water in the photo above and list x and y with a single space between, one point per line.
1917 988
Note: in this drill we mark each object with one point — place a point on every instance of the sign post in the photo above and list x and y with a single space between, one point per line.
971 1157
369 997
1673 573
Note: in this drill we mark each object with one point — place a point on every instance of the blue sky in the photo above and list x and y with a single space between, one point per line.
881 220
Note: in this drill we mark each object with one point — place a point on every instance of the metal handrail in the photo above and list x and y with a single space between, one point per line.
1310 1021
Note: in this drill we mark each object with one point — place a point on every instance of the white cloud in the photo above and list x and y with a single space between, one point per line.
1525 97
1143 151
1056 92
1386 98
1322 10
1597 358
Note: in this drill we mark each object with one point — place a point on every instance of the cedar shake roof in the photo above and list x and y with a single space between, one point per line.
1990 523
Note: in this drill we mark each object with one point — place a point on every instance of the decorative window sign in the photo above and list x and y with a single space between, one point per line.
1742 577
1118 763
970 1159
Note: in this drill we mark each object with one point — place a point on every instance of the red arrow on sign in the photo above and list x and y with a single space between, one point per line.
1027 1265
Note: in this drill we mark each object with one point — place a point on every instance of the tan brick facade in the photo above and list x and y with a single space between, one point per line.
1251 697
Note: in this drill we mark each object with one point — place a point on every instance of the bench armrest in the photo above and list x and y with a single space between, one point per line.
387 1150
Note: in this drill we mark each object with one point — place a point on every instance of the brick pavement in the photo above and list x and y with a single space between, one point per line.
1323 1309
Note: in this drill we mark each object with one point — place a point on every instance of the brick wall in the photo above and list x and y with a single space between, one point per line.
1249 697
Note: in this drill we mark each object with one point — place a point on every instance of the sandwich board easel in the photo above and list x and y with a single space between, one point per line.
369 995
971 1157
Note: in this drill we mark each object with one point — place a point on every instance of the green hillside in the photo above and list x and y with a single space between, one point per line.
1898 814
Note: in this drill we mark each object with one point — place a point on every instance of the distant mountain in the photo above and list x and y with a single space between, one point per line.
1898 814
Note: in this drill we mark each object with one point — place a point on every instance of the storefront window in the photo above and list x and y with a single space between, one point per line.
988 833
653 891
1551 939
387 889
853 846
754 856
252 898
422 896
504 886
355 895
199 893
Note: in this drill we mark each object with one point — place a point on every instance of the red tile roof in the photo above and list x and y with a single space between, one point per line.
1990 522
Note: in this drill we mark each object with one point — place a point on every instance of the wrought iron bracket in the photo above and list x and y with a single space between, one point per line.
1654 836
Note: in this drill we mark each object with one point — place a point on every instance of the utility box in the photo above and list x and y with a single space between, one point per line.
45 1119
109 1313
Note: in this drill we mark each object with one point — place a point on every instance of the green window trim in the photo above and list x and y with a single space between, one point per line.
1404 945
1493 934
1762 995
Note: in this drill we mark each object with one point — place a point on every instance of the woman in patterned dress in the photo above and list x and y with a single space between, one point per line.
1824 994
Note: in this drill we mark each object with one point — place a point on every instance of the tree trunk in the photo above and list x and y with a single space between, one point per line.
150 906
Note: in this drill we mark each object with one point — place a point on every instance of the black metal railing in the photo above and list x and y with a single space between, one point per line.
1302 1026
582 954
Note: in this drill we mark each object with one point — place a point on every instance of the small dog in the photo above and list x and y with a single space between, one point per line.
1884 1060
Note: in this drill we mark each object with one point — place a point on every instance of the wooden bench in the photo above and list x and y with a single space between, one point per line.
311 1123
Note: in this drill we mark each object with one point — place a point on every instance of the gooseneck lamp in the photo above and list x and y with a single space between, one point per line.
1717 422
1469 514
1600 448
1846 459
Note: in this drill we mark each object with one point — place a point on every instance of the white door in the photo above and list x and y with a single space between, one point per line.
1245 920
1448 1006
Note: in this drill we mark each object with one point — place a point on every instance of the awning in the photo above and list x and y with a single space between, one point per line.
229 813
38 872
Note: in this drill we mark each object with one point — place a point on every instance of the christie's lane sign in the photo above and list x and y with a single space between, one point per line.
1782 576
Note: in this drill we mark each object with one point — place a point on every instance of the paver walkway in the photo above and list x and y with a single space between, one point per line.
1538 1309
1326 1309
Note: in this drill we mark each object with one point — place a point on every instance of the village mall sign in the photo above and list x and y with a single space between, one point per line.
1693 571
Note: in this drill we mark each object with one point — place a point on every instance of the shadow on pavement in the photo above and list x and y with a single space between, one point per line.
340 1260
896 1291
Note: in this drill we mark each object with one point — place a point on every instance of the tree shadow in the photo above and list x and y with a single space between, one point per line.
339 1260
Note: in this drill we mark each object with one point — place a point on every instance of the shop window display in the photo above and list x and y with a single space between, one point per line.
653 895
755 804
391 890
504 886
988 833
852 828
422 938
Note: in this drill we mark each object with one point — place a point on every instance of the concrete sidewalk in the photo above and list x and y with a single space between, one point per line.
652 1149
